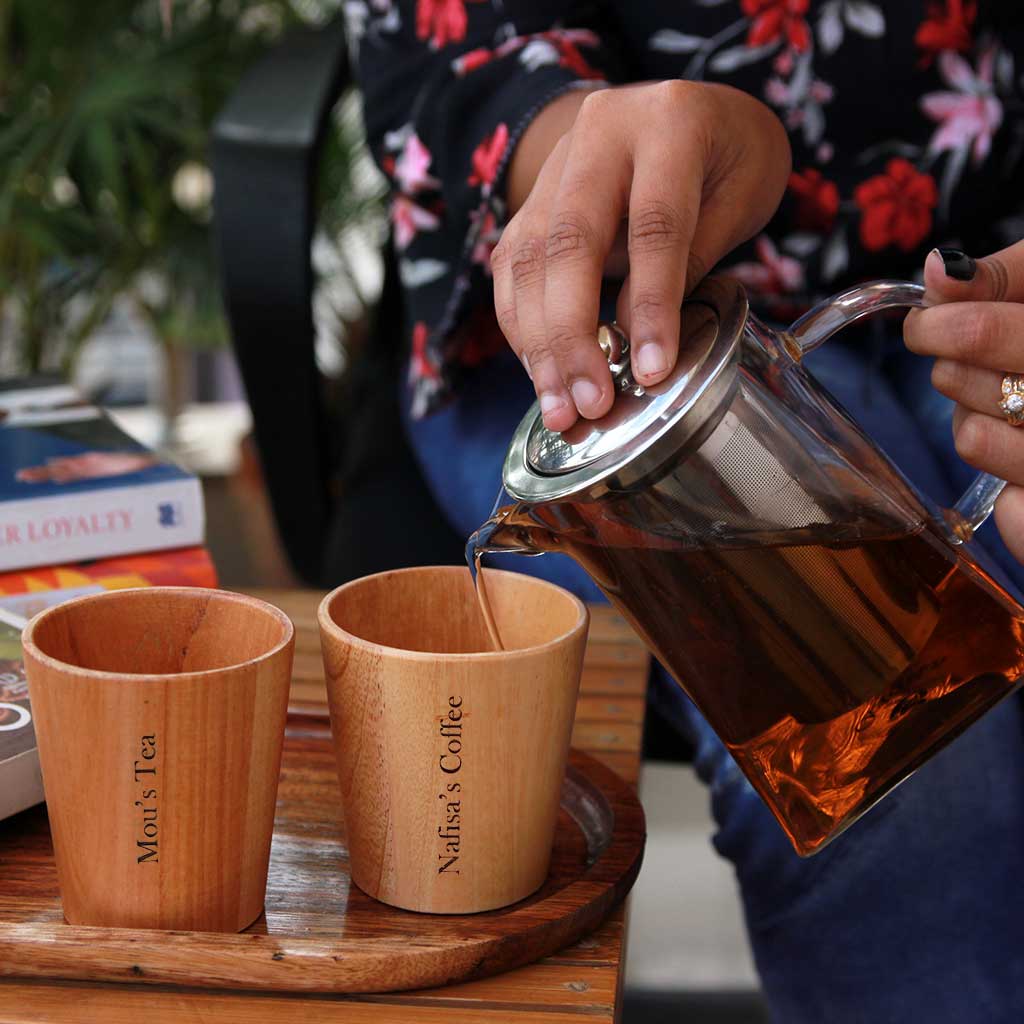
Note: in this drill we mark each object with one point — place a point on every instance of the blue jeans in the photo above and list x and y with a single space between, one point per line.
917 912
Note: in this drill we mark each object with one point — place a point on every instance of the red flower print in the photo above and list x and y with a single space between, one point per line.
558 46
775 18
487 157
817 200
783 63
948 27
410 169
486 240
421 364
896 207
409 218
441 21
472 60
772 273
480 339
571 57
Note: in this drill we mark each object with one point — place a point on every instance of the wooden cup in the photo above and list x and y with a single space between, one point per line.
160 719
451 755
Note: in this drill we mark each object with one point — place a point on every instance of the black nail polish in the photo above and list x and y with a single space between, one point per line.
958 265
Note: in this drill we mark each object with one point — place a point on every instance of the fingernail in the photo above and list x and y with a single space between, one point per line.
526 365
585 394
551 403
650 359
958 265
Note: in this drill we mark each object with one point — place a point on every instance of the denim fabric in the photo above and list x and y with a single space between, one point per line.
917 911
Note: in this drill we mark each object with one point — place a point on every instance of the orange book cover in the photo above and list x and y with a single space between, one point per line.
29 591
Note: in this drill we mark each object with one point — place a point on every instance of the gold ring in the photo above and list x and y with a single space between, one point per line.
1012 403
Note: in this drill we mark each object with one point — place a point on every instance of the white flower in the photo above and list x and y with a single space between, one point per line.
970 116
192 186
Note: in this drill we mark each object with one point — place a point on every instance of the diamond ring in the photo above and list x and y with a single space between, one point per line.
1012 403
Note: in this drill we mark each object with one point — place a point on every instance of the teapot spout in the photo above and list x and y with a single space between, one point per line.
504 532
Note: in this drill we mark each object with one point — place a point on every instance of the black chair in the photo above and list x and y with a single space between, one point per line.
347 495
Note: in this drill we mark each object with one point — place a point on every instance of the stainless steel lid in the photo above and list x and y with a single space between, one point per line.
646 428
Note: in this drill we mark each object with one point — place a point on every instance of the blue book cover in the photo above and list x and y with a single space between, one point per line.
74 485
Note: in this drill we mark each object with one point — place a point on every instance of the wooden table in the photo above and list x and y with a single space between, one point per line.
585 979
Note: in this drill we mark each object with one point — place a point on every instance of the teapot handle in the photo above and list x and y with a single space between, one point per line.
819 324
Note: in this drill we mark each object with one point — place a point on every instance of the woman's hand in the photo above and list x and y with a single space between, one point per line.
975 328
693 169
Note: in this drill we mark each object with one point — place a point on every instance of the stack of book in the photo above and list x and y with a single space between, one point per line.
83 508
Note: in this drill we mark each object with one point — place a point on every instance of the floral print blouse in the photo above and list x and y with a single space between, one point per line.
906 120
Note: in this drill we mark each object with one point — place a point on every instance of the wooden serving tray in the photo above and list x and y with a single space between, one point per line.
319 932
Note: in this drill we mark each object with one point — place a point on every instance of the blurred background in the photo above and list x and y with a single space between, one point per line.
112 272
107 265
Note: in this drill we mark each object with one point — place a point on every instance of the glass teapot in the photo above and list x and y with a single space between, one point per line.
830 623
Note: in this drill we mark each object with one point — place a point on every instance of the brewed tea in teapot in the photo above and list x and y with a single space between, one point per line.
832 625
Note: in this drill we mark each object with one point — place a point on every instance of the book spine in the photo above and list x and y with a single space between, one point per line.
22 783
101 524
29 591
174 567
13 619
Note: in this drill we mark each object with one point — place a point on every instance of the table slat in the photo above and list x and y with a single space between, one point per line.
71 1003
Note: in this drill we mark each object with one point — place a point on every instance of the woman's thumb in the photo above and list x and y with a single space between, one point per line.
952 276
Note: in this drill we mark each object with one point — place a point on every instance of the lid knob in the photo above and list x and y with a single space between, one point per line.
615 346
646 428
